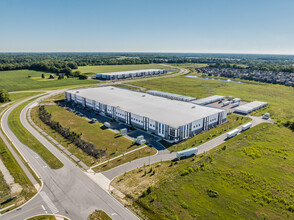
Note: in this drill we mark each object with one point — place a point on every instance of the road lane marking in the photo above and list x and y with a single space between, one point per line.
24 212
48 202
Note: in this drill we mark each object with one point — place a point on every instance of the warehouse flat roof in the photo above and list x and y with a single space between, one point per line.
159 93
171 112
251 106
128 72
208 99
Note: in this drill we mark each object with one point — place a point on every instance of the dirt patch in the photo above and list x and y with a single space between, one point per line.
15 188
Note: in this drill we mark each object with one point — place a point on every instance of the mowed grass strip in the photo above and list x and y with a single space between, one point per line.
92 70
93 133
233 121
28 139
250 176
18 80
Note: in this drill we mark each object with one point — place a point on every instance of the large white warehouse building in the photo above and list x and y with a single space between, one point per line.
129 74
171 119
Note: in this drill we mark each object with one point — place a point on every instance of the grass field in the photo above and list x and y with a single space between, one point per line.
102 139
17 80
91 70
28 139
250 178
279 97
22 95
99 215
233 121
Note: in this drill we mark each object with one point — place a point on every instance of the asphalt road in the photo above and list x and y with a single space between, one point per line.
67 191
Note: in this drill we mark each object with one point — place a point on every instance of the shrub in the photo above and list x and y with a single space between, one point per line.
144 194
149 189
184 205
190 169
153 198
184 172
211 193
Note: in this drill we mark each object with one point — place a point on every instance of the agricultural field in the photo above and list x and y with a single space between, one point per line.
102 139
248 177
92 70
19 80
280 98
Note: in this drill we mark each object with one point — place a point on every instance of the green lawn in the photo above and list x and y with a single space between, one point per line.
91 70
28 139
251 178
279 97
17 80
102 139
21 95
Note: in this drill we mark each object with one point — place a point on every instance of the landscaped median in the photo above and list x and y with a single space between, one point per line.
117 149
28 139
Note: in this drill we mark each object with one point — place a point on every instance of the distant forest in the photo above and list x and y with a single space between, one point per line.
66 62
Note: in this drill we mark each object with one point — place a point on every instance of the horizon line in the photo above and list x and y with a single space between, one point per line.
226 53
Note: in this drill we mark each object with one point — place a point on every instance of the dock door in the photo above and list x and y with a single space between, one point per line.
205 123
145 123
128 118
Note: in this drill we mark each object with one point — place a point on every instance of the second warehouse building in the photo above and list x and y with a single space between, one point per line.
170 119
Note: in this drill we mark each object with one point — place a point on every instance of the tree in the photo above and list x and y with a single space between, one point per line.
83 77
4 96
43 76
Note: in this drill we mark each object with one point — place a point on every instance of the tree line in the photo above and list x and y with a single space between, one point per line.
65 62
72 136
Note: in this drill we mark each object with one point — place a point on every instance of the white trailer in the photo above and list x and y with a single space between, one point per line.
187 153
236 100
266 116
232 133
226 103
246 126
235 104
106 124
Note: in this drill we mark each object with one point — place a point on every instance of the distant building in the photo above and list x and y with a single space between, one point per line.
129 74
52 76
170 119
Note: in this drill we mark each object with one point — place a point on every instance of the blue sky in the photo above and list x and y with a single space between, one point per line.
208 26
